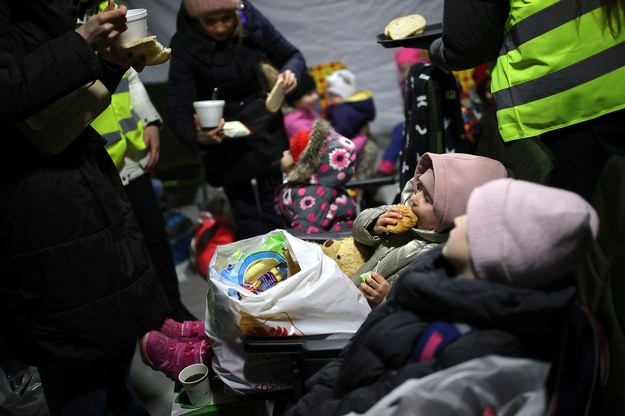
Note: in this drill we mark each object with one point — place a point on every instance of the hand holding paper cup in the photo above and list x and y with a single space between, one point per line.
209 112
135 39
195 381
137 22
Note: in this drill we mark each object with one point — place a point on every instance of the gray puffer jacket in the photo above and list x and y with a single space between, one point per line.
396 251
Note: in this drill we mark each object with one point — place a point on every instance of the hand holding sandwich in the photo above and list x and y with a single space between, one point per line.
102 32
397 219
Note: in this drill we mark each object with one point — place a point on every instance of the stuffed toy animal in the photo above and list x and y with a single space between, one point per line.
349 254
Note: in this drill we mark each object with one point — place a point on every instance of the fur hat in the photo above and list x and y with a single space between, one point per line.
341 83
308 147
304 86
196 8
527 235
455 176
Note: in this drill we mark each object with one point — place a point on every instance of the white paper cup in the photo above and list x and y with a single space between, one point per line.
209 112
196 383
137 22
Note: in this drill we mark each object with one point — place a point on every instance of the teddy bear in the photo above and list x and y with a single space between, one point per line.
349 254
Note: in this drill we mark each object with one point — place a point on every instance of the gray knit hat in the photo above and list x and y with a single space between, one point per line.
527 235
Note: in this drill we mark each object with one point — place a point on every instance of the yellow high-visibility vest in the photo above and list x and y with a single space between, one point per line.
119 124
554 70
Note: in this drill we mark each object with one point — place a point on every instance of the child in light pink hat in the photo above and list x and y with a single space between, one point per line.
437 194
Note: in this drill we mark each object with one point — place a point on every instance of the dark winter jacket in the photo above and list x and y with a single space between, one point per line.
200 64
76 281
314 198
507 321
472 33
352 115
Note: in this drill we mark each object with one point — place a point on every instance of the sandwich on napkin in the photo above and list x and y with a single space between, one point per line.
154 52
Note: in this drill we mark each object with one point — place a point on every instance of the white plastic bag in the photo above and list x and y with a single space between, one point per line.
508 386
319 299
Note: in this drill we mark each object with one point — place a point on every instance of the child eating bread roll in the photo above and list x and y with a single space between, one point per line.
436 195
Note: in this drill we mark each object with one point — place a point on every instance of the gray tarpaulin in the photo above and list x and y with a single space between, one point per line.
324 30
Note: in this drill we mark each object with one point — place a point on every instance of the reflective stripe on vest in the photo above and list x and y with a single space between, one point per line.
555 70
119 124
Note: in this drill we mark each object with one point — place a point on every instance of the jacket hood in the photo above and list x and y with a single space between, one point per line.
329 159
455 176
350 116
363 103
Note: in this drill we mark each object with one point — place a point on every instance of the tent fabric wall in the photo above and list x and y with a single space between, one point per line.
324 30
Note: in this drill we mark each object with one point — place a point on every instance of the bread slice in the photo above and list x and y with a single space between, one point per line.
405 26
408 221
154 52
275 97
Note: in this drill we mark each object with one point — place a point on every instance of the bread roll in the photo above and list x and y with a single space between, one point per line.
149 47
408 220
275 97
405 26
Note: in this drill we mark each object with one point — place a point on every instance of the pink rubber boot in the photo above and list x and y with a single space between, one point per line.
170 356
185 331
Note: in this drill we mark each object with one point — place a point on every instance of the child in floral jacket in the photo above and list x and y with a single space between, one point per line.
316 167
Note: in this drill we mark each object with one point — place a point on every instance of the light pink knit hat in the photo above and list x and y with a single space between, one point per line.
527 235
196 8
455 176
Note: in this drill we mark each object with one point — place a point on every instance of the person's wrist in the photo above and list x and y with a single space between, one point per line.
111 66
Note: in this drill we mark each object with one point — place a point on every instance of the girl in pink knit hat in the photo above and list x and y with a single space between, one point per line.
217 52
437 194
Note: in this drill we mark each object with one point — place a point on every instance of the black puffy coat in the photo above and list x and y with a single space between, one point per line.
200 64
76 281
510 322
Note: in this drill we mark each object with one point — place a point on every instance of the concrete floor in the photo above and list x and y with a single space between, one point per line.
154 388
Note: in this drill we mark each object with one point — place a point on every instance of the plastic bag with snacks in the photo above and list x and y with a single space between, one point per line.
274 285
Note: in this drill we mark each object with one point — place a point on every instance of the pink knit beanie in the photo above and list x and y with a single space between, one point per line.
527 235
196 8
411 55
455 176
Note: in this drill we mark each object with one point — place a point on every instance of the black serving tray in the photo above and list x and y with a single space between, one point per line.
421 41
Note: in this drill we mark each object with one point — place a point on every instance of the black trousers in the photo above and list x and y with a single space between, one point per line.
150 219
253 206
99 388
581 151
